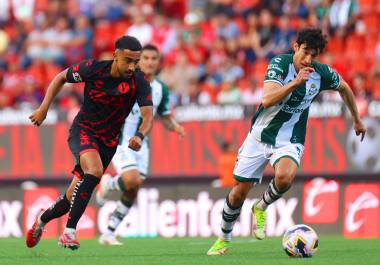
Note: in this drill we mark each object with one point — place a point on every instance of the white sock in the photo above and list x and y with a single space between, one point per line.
117 217
113 183
229 217
70 231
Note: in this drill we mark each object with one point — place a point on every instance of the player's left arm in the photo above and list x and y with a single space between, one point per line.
349 99
172 125
165 113
144 100
145 127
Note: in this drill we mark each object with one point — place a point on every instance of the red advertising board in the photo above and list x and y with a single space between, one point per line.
331 147
361 210
34 201
86 227
320 204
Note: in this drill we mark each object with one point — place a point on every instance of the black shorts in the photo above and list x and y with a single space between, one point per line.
82 141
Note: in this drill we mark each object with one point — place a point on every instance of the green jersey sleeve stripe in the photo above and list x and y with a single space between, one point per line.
275 81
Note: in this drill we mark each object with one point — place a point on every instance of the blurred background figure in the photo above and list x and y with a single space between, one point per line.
226 163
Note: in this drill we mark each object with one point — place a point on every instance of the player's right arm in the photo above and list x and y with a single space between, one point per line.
274 92
39 115
275 89
80 72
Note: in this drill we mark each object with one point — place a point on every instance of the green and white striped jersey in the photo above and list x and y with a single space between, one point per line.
161 106
286 122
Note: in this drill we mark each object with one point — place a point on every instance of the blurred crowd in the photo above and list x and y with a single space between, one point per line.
214 52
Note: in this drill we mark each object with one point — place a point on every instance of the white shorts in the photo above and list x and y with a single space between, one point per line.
126 159
253 157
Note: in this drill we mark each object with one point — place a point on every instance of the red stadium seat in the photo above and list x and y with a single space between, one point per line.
371 22
120 28
366 6
354 46
335 45
370 45
359 65
259 69
376 89
240 23
103 37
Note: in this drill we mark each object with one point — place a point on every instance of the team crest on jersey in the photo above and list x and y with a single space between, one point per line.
313 89
123 87
271 74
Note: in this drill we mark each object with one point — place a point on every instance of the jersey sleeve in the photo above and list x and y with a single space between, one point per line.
330 79
277 70
80 72
144 91
164 106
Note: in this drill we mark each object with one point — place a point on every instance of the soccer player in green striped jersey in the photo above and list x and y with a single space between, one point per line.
278 130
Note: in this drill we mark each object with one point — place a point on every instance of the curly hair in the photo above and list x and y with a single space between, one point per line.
312 38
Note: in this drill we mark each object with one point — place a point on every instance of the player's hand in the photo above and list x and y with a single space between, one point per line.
360 129
135 143
38 116
180 130
303 75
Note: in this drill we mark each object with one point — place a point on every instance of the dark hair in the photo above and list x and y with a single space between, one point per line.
128 42
313 38
150 47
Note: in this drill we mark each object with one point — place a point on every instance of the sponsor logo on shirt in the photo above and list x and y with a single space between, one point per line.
77 77
275 67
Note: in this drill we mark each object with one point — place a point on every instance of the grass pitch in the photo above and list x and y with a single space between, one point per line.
332 250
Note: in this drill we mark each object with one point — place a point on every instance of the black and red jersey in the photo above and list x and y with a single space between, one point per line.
107 100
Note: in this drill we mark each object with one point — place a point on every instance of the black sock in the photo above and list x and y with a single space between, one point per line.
229 216
271 195
81 196
59 208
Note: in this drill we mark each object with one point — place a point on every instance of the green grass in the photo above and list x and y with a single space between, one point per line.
332 250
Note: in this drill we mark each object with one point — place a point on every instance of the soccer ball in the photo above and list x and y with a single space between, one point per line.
300 241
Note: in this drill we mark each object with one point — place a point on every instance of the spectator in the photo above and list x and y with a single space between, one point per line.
226 28
178 75
206 44
361 93
284 36
343 14
229 93
140 28
226 163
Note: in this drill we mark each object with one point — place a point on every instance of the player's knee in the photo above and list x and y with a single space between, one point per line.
133 183
238 195
96 171
236 199
283 181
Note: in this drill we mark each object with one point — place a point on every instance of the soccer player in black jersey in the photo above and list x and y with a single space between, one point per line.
111 89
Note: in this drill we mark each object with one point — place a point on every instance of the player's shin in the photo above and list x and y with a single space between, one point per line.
229 217
58 209
80 198
115 183
271 195
122 209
